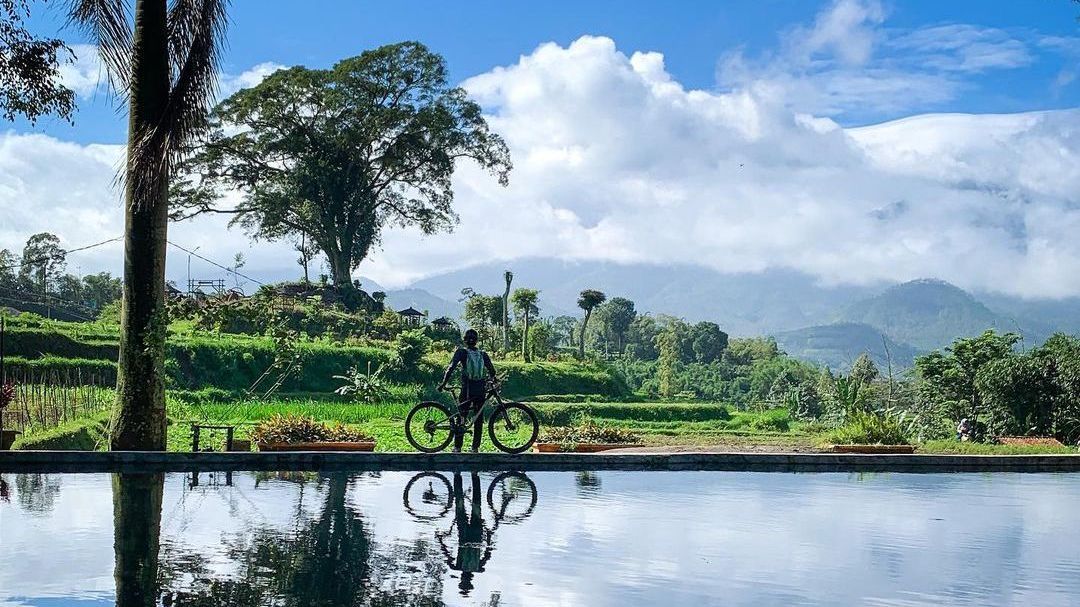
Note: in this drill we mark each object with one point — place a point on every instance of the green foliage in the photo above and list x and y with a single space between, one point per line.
566 414
301 429
588 431
87 434
948 379
869 428
379 147
367 388
410 347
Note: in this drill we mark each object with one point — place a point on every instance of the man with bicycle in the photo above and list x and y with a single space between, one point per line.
476 368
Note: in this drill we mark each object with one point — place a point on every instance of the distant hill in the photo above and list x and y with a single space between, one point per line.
927 314
424 301
838 345
744 304
827 323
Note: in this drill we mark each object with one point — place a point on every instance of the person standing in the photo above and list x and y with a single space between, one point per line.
476 369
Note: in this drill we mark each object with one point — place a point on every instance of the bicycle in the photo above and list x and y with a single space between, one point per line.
513 427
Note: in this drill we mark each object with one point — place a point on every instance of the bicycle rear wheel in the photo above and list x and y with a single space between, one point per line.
513 427
428 427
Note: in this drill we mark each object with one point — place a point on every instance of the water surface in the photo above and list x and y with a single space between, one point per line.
552 538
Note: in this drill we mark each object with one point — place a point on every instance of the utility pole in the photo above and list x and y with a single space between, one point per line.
190 253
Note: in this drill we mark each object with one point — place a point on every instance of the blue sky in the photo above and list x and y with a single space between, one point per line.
476 36
856 141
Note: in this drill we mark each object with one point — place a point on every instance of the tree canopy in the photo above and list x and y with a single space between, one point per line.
339 154
30 69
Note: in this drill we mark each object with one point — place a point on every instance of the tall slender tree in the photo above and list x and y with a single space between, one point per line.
588 300
525 304
508 276
163 60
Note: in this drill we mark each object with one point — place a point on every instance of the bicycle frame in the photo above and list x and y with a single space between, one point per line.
492 392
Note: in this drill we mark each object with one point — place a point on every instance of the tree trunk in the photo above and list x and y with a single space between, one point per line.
340 269
139 419
525 340
508 277
136 537
584 325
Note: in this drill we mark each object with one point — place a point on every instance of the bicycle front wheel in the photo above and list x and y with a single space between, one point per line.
428 427
513 427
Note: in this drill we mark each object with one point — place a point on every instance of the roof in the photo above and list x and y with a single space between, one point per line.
442 320
410 311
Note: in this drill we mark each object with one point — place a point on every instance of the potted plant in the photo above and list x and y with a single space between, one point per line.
585 437
300 433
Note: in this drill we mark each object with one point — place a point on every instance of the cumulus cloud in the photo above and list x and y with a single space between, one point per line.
616 160
231 83
83 72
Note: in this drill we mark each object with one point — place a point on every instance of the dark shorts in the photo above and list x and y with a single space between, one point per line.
472 390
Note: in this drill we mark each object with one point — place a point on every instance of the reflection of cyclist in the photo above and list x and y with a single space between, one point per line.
472 550
476 367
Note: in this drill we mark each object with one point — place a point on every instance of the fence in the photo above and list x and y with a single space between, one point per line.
45 399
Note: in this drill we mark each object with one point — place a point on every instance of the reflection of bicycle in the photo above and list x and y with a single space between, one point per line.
467 544
513 427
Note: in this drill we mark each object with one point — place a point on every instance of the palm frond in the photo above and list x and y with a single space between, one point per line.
196 41
108 24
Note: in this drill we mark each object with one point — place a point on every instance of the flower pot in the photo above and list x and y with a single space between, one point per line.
7 437
350 446
580 447
879 449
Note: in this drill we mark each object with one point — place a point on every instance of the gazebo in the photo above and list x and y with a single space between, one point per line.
443 324
412 317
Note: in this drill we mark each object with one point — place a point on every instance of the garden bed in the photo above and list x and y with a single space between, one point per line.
1029 441
319 446
581 447
877 449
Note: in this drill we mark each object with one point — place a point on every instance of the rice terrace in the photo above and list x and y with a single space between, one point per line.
547 303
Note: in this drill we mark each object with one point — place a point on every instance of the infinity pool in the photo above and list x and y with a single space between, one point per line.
599 538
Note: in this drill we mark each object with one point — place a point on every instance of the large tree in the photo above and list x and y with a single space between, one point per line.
617 315
587 301
43 262
30 69
524 301
339 154
163 59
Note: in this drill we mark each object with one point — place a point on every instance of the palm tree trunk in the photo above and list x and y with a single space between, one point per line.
525 340
584 325
139 419
136 537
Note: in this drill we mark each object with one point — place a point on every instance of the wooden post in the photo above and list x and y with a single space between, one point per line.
194 438
228 438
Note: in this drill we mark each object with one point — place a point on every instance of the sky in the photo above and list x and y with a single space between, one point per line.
858 141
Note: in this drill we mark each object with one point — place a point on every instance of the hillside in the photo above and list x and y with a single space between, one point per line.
927 314
838 345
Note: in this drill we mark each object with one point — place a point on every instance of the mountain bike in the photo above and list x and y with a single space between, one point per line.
513 426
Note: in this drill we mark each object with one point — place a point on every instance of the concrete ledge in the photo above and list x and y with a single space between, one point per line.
134 461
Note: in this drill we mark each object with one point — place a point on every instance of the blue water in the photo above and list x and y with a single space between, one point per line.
602 538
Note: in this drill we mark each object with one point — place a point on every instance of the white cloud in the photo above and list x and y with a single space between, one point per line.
615 159
849 63
84 72
231 83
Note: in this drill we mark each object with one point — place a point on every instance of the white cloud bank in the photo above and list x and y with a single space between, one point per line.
616 160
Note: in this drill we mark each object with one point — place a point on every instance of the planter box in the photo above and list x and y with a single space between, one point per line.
886 449
580 448
7 437
241 445
366 446
1029 441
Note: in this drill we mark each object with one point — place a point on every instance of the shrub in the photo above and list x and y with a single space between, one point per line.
368 388
586 431
87 434
301 429
868 428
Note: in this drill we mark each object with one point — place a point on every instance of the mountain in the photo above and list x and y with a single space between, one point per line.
744 304
838 345
424 301
927 314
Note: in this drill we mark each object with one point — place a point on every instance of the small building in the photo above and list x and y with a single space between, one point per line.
411 317
444 325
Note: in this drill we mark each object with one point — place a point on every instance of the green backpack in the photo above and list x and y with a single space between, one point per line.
474 365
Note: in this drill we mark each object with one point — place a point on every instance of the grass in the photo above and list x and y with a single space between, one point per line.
961 448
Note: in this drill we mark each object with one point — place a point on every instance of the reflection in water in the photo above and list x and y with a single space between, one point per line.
5 494
646 538
136 537
468 543
37 493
